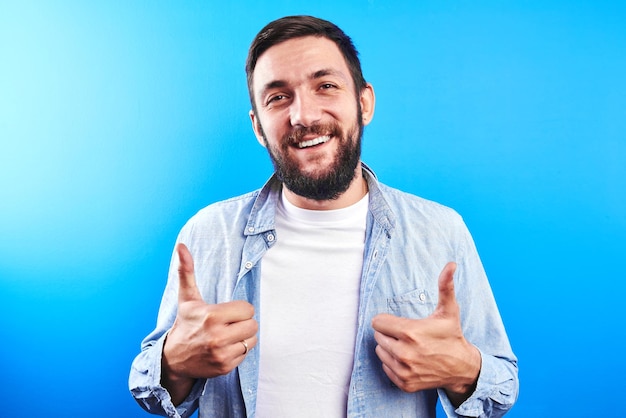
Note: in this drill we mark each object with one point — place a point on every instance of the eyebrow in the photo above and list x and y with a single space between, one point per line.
276 84
324 72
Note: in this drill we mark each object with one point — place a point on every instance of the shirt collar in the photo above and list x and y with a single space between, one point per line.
261 217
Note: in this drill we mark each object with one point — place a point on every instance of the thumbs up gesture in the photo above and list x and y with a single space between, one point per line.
429 353
206 340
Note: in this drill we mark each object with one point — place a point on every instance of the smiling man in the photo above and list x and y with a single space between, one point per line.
324 293
314 117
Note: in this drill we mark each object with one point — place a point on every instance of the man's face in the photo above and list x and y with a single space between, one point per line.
308 115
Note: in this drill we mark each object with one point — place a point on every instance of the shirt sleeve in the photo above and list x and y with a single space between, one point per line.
498 384
145 384
145 374
495 393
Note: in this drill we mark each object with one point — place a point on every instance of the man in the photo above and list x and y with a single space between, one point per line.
325 293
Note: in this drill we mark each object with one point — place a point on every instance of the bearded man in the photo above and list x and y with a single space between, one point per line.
325 293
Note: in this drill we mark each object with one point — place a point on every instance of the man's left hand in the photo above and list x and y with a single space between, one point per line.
429 353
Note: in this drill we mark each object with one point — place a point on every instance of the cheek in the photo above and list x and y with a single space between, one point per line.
276 130
347 111
272 125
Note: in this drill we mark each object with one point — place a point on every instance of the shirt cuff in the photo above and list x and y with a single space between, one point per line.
145 385
495 393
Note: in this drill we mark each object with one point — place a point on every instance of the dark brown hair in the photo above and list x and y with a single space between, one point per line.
291 27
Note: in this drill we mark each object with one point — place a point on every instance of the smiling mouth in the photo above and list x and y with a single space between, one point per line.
313 142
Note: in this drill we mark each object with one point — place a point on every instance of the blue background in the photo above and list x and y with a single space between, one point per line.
119 120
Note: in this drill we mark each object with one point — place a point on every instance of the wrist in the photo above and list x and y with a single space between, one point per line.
178 385
465 384
170 373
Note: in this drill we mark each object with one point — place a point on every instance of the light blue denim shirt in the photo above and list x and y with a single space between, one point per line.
408 241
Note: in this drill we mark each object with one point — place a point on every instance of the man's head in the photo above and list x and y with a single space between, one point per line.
291 27
309 105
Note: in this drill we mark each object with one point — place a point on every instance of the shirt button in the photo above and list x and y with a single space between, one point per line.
270 237
251 229
248 265
422 297
375 253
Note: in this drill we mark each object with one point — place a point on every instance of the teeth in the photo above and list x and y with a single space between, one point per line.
314 141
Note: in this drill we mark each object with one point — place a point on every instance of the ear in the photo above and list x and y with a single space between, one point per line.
256 127
368 103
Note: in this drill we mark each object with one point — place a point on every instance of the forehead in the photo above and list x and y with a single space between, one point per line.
296 60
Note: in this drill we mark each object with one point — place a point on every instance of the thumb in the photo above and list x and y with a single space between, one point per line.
447 300
187 289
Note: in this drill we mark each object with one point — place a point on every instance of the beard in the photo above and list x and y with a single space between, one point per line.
330 183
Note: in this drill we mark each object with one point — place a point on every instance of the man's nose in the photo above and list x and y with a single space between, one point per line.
304 111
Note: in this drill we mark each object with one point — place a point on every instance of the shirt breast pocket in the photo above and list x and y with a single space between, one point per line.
415 304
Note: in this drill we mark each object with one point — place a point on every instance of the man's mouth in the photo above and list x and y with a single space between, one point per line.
313 142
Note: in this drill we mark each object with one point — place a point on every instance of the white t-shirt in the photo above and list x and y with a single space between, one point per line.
310 282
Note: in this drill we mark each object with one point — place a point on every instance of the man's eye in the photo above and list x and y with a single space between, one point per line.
327 86
276 98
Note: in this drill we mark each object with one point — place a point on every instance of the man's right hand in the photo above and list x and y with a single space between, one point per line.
206 340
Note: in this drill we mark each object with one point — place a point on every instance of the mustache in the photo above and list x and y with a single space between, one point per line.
299 132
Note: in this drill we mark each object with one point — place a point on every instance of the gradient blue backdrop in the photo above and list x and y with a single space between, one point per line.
119 120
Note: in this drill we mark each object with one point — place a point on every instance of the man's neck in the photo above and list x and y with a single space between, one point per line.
354 193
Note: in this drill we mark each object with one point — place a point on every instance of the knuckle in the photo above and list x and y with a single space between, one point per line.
248 309
224 369
220 359
409 388
208 318
214 345
403 356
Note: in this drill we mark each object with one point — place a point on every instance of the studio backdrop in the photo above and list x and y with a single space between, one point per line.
120 119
